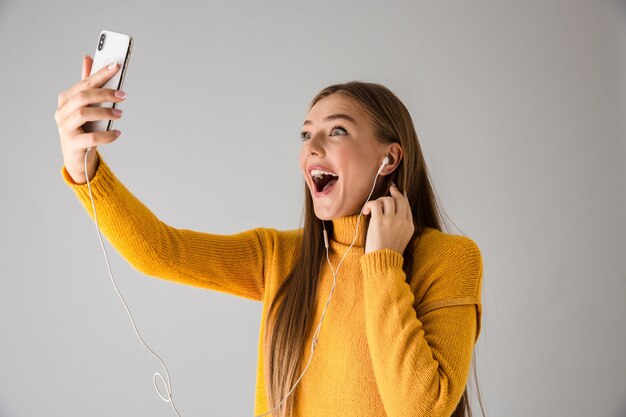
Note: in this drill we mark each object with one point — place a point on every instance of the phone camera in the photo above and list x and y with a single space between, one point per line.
101 42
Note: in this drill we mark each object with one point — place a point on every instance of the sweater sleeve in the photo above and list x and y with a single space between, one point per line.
421 356
232 264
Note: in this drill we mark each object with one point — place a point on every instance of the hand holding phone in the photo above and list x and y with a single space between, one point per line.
93 99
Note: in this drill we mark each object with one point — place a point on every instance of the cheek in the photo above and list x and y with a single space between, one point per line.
347 159
358 181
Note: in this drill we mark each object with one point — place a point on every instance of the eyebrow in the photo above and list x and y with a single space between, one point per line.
333 117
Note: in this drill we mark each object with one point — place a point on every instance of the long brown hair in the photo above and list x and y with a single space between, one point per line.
290 315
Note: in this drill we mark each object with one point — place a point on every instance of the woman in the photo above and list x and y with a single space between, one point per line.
406 312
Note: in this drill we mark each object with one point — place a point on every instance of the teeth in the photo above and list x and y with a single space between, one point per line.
318 173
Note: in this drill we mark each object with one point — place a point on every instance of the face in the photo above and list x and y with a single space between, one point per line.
338 139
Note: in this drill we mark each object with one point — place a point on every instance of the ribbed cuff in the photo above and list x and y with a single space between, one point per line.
372 263
101 184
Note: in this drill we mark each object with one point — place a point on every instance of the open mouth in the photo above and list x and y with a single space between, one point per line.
323 180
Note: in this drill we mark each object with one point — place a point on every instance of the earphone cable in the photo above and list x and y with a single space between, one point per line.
332 289
168 384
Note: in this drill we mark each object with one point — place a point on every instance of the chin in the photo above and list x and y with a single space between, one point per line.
330 214
324 215
326 208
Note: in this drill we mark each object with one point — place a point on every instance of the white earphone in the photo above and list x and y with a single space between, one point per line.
385 162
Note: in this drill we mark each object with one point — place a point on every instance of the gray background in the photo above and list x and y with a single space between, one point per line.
519 108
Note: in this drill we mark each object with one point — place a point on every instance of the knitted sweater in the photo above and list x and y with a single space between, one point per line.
386 348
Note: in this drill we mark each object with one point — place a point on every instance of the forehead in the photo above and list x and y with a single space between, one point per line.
336 104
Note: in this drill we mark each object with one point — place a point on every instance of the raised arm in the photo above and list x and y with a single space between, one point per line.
233 264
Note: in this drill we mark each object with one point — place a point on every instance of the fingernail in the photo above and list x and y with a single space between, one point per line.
112 65
393 184
117 132
120 94
117 112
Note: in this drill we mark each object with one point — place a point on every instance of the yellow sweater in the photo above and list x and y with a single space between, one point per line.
386 348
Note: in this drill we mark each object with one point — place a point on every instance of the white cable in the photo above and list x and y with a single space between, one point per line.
332 289
168 384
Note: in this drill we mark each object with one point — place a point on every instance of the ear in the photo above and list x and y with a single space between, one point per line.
394 151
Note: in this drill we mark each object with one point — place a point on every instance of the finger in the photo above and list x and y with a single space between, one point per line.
399 200
87 63
89 114
389 206
91 139
86 97
409 213
374 208
94 80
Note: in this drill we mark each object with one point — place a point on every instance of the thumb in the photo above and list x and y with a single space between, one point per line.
87 63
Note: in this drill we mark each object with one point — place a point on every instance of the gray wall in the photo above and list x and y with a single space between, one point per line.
519 107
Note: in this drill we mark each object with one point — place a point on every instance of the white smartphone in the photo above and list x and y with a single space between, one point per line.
112 46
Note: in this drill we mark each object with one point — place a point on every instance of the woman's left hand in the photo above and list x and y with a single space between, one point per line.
391 225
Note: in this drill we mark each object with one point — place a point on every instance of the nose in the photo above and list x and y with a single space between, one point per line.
314 146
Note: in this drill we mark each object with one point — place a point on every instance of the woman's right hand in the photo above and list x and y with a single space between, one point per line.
73 112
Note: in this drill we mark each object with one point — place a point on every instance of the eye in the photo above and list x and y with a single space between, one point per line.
338 127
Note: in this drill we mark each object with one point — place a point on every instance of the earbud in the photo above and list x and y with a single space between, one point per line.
385 162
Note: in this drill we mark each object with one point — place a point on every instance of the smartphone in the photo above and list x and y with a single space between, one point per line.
112 46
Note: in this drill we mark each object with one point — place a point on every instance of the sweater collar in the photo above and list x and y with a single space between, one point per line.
344 229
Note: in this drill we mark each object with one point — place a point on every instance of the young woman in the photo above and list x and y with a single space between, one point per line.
397 338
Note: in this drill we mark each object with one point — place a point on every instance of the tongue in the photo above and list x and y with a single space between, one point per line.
329 184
